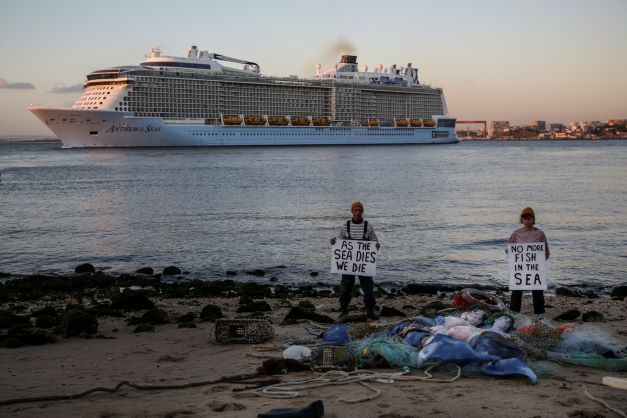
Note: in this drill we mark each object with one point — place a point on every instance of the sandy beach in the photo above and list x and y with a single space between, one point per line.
173 355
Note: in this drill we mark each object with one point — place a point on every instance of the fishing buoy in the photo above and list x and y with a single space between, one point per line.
615 382
469 297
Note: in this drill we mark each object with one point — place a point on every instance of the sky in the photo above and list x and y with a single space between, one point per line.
552 60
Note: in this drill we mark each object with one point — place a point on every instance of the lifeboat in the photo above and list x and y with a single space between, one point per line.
232 120
254 120
321 121
278 121
373 122
415 123
364 123
428 123
401 123
300 121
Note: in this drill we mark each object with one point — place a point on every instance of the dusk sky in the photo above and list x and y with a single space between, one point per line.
557 60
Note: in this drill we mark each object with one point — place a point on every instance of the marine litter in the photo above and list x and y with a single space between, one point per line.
157 347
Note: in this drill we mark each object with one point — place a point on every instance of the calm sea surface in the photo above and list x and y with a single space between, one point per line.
442 213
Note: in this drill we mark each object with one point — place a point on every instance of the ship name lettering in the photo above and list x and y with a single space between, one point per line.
133 129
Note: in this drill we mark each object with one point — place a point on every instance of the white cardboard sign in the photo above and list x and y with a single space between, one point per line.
354 257
527 266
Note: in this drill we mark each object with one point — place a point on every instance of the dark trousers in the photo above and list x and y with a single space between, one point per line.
538 301
346 288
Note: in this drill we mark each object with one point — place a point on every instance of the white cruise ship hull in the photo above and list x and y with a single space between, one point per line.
96 129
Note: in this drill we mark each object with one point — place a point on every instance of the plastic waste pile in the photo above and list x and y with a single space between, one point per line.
494 341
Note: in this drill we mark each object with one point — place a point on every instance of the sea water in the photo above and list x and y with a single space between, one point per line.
442 213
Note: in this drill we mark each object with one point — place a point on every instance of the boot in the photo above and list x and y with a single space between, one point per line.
313 410
370 314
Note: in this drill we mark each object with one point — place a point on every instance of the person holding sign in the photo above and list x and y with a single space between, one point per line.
357 229
529 234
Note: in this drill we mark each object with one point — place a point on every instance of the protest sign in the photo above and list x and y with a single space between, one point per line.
527 266
354 257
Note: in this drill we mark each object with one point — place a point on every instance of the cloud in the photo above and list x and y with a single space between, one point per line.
17 86
62 89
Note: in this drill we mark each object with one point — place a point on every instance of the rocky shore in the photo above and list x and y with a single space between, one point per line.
112 327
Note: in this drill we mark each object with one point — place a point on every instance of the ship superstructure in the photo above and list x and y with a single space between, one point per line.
169 101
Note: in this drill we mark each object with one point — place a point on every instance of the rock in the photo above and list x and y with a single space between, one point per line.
188 317
297 313
231 273
256 272
258 306
591 295
155 316
564 291
189 324
9 319
415 289
132 301
432 309
593 316
307 305
134 320
619 292
313 273
145 270
389 311
85 268
255 290
211 313
2 274
171 270
47 317
144 328
274 279
568 315
77 322
245 300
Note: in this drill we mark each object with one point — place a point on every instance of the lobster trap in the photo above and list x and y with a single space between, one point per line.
332 357
243 331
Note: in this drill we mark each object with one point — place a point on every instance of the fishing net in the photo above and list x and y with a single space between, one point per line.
395 353
594 361
537 338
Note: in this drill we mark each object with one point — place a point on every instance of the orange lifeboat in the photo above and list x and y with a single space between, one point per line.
401 123
373 122
254 120
415 123
300 121
321 121
232 120
428 123
278 121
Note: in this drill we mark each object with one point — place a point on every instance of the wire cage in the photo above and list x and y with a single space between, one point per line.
243 331
332 357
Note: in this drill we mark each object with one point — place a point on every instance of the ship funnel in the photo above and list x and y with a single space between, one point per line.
348 59
379 68
192 52
318 67
365 69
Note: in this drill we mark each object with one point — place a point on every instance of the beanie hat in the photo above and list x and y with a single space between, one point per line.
357 205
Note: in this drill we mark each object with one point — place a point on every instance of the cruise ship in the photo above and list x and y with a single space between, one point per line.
203 100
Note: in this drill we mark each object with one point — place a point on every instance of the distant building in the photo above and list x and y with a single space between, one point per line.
497 127
539 125
555 126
